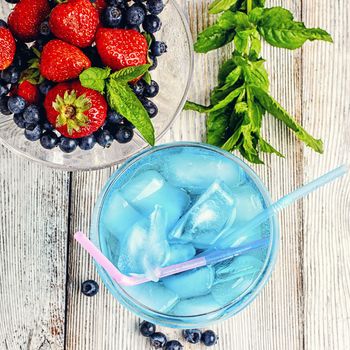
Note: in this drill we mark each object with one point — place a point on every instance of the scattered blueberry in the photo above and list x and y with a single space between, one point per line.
152 89
158 48
39 44
135 15
19 120
33 132
16 104
192 336
124 134
31 114
112 16
4 90
150 107
49 140
147 328
104 138
12 1
139 88
10 75
24 52
46 125
114 117
88 142
3 105
120 3
67 145
209 338
3 24
152 24
45 29
173 345
45 87
158 340
154 62
155 7
90 288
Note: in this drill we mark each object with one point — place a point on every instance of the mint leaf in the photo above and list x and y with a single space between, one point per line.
217 124
212 38
232 142
94 78
267 148
191 106
123 100
228 99
221 5
225 70
147 77
278 28
231 78
273 107
130 73
149 38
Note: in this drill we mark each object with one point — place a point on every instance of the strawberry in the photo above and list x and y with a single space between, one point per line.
61 61
100 5
74 110
75 22
7 48
120 48
29 92
26 17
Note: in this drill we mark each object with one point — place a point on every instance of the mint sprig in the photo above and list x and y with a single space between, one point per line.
241 99
120 96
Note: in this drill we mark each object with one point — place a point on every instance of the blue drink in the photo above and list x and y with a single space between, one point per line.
170 204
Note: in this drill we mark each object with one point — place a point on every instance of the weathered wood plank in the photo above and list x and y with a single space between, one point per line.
326 109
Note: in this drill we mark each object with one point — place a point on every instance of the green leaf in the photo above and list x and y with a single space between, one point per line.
241 41
221 5
242 5
147 77
231 79
149 38
267 148
225 70
217 125
123 100
130 73
278 28
232 142
94 78
227 100
212 38
273 107
234 20
191 106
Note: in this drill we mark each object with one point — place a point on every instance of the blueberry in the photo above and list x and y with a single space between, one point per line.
46 125
152 89
135 15
31 114
88 142
45 30
120 3
150 107
49 140
24 52
124 134
3 24
16 104
45 87
192 336
90 288
137 28
152 24
33 132
112 16
4 90
147 328
19 120
209 338
39 44
114 117
3 105
158 48
155 7
139 88
154 62
158 340
67 145
10 75
173 345
12 1
104 138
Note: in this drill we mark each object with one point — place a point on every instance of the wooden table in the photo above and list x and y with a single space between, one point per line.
306 304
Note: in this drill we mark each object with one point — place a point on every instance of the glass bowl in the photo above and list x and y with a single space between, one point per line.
193 321
174 74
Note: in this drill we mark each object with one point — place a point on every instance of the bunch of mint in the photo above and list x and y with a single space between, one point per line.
241 99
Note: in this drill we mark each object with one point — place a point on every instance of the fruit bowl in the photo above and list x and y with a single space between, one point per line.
173 75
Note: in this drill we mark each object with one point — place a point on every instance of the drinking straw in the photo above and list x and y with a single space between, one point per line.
214 256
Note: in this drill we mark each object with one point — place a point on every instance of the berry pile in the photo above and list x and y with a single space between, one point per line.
159 340
46 45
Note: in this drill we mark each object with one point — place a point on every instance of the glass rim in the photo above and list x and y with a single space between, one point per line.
143 147
253 289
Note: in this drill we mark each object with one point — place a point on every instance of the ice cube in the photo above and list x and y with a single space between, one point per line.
234 278
192 283
197 171
195 306
154 296
145 247
149 189
110 246
117 215
211 214
179 253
